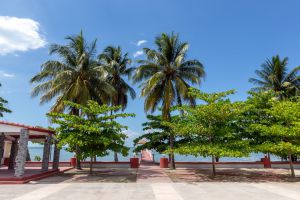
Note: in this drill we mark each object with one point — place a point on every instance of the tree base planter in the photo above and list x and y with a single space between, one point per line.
163 163
73 162
267 162
134 162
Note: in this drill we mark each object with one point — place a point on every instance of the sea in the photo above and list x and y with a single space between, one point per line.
65 156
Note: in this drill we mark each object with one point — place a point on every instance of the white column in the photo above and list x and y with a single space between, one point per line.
45 162
2 137
56 153
22 152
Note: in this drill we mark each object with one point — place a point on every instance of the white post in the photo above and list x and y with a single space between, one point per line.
2 137
46 153
56 153
22 152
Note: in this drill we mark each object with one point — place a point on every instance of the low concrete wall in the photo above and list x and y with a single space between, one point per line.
106 164
235 165
39 164
219 165
85 164
284 165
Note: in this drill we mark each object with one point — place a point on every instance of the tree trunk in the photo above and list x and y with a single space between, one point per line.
291 166
78 162
91 166
213 165
75 111
116 157
172 159
269 156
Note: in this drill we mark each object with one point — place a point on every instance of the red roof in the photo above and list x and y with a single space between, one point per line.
32 128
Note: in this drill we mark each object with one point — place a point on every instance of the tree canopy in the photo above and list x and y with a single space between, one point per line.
94 131
211 127
274 75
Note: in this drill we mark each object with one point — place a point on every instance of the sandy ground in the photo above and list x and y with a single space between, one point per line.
232 175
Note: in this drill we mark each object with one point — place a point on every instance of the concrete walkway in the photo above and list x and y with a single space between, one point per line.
152 191
151 173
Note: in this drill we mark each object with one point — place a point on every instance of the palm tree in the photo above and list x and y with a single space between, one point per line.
274 75
76 76
166 76
116 66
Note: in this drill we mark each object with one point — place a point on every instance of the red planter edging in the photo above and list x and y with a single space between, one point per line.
23 180
87 162
219 163
163 163
134 162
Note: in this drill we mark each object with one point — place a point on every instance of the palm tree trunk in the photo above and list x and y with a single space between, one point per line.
116 159
291 166
75 111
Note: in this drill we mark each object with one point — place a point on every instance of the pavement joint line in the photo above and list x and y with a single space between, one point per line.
165 191
291 194
42 192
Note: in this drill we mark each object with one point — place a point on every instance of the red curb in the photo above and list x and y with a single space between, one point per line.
32 177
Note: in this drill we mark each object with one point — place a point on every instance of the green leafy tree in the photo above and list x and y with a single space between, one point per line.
116 65
281 132
95 132
274 75
157 135
255 112
166 76
211 127
3 108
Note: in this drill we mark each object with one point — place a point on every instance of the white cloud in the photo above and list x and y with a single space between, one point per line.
138 53
19 35
6 75
140 42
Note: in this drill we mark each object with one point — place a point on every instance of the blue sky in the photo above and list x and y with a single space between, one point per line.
231 38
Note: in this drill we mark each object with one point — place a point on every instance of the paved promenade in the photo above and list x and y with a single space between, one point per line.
152 184
151 191
150 173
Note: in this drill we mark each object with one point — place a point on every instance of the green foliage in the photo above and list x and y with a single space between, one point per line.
37 158
116 66
280 130
3 108
94 131
157 135
274 76
76 76
166 74
211 126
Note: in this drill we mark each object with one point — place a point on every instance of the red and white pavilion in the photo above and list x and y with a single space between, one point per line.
14 140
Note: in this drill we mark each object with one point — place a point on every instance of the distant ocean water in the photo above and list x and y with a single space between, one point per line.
65 156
